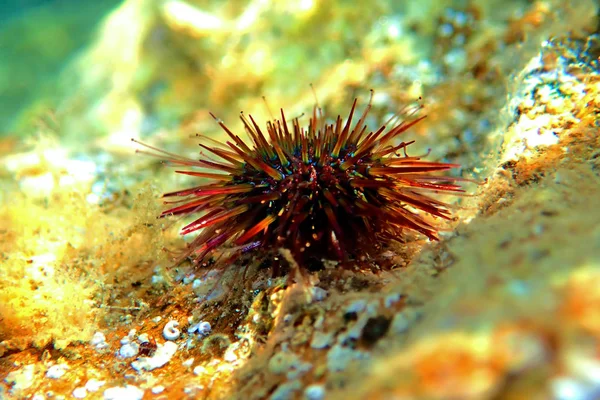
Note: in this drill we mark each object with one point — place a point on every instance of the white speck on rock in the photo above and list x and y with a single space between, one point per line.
199 370
129 338
188 278
143 338
193 390
80 393
170 331
230 356
128 392
357 306
57 371
158 389
93 385
202 328
163 355
129 350
157 280
318 294
314 392
99 341
320 340
339 357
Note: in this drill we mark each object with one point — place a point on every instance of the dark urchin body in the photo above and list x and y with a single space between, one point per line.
330 191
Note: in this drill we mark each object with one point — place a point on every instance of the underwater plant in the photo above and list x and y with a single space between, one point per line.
327 191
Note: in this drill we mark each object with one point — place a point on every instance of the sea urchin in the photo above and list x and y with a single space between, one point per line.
331 190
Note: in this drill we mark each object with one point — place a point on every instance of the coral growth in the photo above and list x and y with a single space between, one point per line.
64 255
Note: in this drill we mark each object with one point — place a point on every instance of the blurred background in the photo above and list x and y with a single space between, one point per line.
119 69
37 40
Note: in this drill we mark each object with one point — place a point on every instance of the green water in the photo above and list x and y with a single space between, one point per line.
37 40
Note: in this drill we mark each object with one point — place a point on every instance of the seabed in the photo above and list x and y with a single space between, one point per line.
505 306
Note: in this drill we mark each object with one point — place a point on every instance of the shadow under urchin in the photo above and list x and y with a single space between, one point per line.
335 191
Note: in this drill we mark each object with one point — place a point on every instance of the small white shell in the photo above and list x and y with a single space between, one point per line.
143 338
56 371
129 350
80 393
314 392
93 385
202 328
170 331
